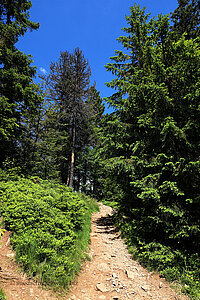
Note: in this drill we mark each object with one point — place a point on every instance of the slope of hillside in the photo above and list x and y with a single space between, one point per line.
50 228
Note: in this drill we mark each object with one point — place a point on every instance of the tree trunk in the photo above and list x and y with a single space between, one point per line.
72 161
78 181
84 177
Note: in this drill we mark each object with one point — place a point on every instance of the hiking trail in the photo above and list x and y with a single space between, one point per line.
112 274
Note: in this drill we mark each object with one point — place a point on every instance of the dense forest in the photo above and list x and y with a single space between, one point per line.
143 158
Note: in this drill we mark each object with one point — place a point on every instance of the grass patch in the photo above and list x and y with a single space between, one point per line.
50 227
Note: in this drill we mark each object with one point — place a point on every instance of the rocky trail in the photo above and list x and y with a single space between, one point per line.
111 273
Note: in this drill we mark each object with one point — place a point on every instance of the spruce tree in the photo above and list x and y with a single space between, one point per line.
90 159
156 168
68 86
19 96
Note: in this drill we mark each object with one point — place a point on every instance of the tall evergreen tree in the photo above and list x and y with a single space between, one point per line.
96 106
91 158
68 85
19 96
156 167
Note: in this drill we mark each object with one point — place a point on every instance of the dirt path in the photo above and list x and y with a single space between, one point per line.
111 273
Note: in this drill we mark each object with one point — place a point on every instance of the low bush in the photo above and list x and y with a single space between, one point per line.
50 227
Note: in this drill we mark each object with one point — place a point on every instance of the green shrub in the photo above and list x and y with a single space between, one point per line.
50 227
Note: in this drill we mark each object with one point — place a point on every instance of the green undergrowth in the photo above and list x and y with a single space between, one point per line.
50 227
177 266
2 295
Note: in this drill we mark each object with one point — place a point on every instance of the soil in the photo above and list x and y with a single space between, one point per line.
111 273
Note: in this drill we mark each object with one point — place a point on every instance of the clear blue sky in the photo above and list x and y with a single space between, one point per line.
91 25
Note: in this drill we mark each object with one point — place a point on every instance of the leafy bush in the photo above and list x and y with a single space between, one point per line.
50 227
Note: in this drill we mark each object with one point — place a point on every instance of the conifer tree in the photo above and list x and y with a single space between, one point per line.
19 96
95 105
90 159
155 158
68 86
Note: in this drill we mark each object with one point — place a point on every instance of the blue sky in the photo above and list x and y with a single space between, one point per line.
91 25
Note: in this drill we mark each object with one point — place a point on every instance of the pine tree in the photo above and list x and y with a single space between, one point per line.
96 106
19 96
90 158
68 85
155 169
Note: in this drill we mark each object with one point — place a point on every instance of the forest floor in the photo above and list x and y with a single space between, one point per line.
111 273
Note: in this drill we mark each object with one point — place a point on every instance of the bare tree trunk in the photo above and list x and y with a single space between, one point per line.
78 181
84 177
72 162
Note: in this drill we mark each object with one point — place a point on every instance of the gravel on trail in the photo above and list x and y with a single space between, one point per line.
112 273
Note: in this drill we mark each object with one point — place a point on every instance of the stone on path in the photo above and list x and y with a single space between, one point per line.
145 288
11 255
102 288
130 274
114 275
102 297
103 267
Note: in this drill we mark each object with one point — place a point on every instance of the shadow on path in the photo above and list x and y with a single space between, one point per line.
106 225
